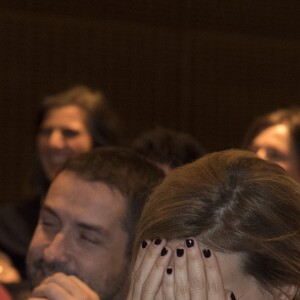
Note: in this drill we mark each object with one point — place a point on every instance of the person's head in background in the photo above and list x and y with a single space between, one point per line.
69 123
167 148
276 137
244 208
88 219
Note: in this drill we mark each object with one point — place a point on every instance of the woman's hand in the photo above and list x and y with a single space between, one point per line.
193 275
148 272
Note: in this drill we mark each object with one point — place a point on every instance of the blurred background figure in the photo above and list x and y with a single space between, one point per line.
276 137
167 148
68 123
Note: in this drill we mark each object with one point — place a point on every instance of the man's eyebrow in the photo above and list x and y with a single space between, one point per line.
49 210
80 224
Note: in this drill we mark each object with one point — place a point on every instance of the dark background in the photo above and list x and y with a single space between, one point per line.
205 67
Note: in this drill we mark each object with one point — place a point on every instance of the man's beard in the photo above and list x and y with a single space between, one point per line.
112 288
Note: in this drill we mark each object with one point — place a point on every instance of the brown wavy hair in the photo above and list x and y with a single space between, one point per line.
233 202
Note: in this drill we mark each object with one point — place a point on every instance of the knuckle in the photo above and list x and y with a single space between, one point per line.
214 287
136 276
140 255
153 252
182 289
147 289
180 267
158 266
197 284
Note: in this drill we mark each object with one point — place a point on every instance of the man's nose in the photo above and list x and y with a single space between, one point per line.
56 139
57 250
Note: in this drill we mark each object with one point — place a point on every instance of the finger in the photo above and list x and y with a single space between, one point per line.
140 274
214 283
168 284
158 295
182 291
69 286
141 253
196 270
50 291
65 282
152 286
83 289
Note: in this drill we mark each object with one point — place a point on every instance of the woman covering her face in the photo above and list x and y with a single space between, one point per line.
224 227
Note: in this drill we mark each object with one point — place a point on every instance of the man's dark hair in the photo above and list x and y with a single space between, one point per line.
123 169
168 147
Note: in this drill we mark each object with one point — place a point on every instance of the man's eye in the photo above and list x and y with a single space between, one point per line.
49 225
90 238
275 155
70 133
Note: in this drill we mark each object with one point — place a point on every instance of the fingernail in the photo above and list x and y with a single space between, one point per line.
169 271
179 252
189 243
164 251
157 241
232 296
144 244
206 253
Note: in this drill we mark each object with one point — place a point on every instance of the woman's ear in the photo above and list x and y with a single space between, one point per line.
286 292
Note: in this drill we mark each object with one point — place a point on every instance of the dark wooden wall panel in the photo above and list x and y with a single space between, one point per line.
207 67
239 77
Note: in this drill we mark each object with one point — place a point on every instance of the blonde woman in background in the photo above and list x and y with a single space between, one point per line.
276 137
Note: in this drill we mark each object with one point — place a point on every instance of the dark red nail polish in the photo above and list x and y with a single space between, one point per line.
169 271
179 252
232 296
144 244
206 253
189 243
164 251
157 241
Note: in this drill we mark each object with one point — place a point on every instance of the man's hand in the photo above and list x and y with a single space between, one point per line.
63 287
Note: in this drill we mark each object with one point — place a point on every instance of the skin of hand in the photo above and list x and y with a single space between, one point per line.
183 272
148 271
63 287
